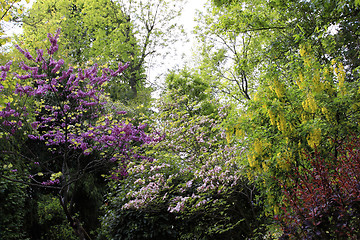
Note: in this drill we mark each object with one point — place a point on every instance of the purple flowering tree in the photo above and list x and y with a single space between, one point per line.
56 123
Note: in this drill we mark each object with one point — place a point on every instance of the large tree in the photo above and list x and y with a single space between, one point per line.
93 32
106 32
301 60
55 129
242 40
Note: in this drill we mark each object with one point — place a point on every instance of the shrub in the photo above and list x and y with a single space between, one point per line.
323 201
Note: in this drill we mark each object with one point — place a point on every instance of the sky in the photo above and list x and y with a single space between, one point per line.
189 12
183 51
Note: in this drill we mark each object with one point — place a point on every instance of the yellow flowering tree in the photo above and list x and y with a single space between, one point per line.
294 113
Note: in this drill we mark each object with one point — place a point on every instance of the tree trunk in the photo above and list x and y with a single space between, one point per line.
74 222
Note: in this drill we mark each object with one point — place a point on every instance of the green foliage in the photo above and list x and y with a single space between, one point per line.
13 195
73 166
107 32
52 220
10 10
192 188
233 48
197 91
224 2
292 114
88 34
92 32
254 35
285 103
12 222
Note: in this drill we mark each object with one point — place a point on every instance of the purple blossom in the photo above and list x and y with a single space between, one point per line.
51 182
121 112
60 118
22 77
6 67
25 53
53 40
58 65
36 76
40 53
66 108
35 124
23 90
27 68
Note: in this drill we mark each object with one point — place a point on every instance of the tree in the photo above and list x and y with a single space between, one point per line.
93 32
10 10
292 114
57 127
193 188
243 40
234 42
155 27
106 32
186 82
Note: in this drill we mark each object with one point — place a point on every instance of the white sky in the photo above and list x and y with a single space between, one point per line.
183 51
187 19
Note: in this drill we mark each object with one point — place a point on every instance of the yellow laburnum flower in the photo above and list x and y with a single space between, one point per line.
314 138
252 161
239 133
281 124
228 136
272 117
249 175
279 89
302 50
326 71
317 85
310 104
256 97
300 81
304 118
258 147
326 113
276 210
341 78
283 160
264 106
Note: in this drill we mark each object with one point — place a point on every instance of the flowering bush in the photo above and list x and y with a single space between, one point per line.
291 113
194 188
57 124
323 201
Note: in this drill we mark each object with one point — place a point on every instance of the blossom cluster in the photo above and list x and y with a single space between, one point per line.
192 165
65 109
